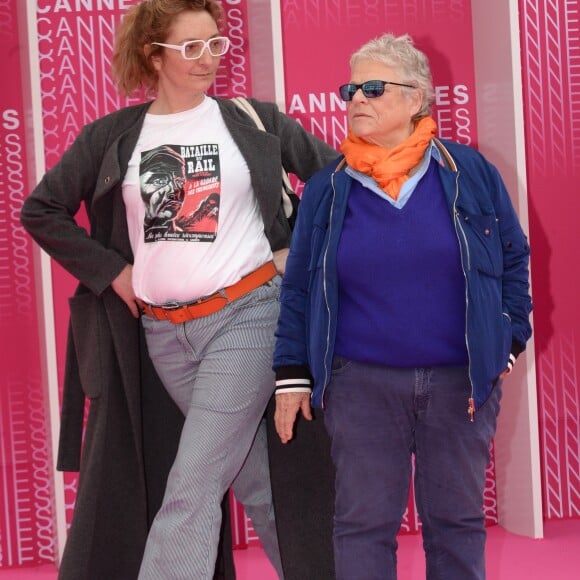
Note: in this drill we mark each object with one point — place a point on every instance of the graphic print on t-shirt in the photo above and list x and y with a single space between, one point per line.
181 188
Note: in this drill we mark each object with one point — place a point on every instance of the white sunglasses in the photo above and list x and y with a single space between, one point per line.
193 49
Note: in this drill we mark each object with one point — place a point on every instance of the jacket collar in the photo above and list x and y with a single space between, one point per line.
450 162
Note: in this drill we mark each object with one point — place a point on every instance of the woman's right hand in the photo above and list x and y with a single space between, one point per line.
279 258
287 407
123 286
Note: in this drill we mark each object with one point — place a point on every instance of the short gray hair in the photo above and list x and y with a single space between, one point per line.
399 52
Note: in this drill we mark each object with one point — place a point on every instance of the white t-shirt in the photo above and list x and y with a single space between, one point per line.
194 221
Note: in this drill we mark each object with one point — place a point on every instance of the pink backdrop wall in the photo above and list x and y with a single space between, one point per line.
75 42
26 514
551 74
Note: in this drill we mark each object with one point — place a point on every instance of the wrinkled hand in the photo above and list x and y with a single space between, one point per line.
287 407
123 286
279 258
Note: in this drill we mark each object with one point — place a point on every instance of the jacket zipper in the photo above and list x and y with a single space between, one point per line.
324 278
458 226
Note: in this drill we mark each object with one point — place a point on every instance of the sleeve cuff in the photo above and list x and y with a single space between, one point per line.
287 383
511 363
285 390
293 372
293 379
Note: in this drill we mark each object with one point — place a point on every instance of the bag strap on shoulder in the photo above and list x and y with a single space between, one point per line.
243 104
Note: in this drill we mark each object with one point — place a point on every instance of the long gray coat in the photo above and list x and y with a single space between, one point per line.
132 428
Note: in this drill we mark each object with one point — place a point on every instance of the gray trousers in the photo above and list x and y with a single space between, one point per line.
218 371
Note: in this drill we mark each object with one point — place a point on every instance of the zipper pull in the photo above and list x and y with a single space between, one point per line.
471 409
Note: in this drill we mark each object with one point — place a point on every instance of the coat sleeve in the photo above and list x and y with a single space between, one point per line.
484 179
49 214
516 297
292 333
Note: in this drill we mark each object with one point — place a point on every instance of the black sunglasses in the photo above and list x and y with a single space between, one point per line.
370 89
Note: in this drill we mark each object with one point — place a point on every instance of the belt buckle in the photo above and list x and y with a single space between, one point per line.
172 306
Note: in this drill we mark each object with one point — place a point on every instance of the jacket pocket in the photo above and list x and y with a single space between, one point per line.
483 239
91 340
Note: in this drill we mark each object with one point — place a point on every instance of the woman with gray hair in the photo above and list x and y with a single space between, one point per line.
404 304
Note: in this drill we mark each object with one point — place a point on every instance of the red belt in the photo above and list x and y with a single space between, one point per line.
210 304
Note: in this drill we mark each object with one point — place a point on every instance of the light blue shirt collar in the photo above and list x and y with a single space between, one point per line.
408 187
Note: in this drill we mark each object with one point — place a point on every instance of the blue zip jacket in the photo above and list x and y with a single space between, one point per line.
494 256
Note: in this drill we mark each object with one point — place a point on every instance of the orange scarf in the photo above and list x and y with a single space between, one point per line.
389 167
